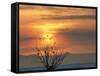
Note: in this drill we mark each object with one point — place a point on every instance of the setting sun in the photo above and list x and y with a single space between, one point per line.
48 38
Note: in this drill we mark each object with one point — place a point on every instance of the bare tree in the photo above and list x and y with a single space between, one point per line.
50 57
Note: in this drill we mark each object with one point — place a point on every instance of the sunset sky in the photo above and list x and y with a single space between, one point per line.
73 29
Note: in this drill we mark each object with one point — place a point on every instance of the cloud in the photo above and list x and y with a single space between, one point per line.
28 7
71 17
26 38
79 35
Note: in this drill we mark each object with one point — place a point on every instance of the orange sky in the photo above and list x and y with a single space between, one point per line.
71 28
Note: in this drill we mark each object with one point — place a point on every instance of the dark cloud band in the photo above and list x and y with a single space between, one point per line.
72 17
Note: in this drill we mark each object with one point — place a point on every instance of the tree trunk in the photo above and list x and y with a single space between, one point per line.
50 68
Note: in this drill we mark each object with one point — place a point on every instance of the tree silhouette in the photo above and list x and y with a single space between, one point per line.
50 56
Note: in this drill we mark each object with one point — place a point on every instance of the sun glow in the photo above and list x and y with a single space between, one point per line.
48 39
47 33
48 27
